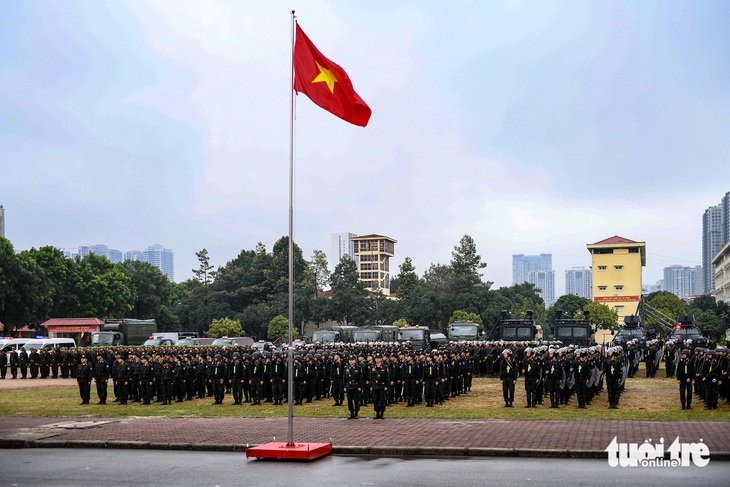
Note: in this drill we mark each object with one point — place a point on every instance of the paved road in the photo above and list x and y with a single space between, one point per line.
112 468
392 437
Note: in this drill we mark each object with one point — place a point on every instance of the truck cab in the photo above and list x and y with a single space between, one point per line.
418 336
631 330
580 332
517 330
686 328
462 330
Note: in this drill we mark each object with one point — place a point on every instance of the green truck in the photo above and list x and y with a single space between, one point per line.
124 332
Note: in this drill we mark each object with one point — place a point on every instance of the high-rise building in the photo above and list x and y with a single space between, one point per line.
682 281
713 229
721 264
160 257
544 281
342 245
578 281
522 264
616 266
373 253
133 255
2 221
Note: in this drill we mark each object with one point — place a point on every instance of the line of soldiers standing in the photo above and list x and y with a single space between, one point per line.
701 372
34 364
558 373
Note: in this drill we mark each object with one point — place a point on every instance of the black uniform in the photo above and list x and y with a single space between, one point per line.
353 386
508 374
380 381
84 374
101 376
685 379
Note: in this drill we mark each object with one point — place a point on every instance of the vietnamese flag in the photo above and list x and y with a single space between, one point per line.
325 83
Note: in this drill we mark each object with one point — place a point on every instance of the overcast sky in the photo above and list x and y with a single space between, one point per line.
534 127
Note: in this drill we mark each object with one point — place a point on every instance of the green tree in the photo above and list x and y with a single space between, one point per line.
224 327
349 303
710 324
408 282
204 273
569 304
600 314
666 303
279 328
466 265
104 290
153 291
461 315
320 271
401 323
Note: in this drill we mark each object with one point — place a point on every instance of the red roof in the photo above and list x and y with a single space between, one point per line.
614 240
72 322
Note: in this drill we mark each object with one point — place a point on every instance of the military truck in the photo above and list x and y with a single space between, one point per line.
462 330
375 333
511 329
334 334
580 332
124 332
418 336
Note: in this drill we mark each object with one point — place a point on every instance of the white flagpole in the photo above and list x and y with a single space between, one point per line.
290 365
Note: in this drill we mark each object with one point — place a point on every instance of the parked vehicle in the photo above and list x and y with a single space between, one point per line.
418 336
375 333
49 343
579 332
517 329
462 330
124 332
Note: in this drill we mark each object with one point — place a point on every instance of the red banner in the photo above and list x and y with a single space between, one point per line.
615 299
72 329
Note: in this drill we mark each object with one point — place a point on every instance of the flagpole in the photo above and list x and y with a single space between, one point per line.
290 365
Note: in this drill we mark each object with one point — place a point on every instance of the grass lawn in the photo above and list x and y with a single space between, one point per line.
646 399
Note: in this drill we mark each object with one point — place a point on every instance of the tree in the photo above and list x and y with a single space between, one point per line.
153 291
710 324
408 282
569 304
461 315
466 264
104 290
320 271
279 328
349 303
224 327
600 314
401 323
205 272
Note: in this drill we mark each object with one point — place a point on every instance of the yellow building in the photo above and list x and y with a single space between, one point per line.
616 272
373 253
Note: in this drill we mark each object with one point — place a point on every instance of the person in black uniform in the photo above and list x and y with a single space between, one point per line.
256 375
533 374
23 362
553 376
217 378
101 376
582 374
508 374
612 371
278 378
300 380
14 362
411 381
121 375
685 378
712 379
379 380
84 374
235 377
337 378
166 382
3 365
431 379
146 381
353 386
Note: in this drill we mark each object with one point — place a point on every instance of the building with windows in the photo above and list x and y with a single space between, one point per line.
578 281
523 264
713 225
342 245
684 282
617 265
372 254
721 264
544 281
160 257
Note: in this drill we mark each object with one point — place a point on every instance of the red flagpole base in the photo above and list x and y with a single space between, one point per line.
280 450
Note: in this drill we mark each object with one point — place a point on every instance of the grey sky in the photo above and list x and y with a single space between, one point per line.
532 126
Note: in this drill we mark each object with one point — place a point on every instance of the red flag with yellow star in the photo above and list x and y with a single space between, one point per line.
326 83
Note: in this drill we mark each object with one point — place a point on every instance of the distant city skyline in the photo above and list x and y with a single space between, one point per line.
157 255
715 234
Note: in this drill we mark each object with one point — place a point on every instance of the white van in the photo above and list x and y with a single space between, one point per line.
49 343
8 345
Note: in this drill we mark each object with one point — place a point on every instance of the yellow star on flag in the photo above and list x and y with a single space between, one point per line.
325 76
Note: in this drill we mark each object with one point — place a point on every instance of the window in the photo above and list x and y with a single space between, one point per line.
619 309
618 267
601 267
618 288
601 288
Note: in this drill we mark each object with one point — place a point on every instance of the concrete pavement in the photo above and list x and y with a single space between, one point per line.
586 438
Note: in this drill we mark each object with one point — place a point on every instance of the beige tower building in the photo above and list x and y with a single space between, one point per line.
372 254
